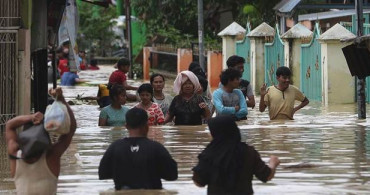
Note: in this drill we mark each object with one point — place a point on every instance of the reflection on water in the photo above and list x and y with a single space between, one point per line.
333 145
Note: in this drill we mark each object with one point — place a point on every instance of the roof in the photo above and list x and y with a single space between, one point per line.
297 31
286 6
263 30
329 14
232 30
337 32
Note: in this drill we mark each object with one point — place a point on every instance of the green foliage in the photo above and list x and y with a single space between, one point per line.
94 27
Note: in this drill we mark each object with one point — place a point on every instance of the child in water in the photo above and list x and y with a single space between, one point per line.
155 114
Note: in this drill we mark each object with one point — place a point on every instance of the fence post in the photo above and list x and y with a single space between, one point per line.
338 83
184 58
292 42
146 62
214 67
258 38
229 40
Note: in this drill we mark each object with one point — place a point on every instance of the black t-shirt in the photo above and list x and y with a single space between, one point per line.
137 163
187 112
253 166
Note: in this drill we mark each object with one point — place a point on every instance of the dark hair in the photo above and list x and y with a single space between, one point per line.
136 117
115 90
283 71
229 75
146 87
155 75
199 71
93 62
193 65
234 60
203 82
123 62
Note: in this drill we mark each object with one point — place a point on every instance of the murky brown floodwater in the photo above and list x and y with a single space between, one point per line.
331 139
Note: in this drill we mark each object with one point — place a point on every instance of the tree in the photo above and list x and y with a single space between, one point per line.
171 20
95 27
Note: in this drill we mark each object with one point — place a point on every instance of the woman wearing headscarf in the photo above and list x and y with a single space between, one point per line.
187 107
227 165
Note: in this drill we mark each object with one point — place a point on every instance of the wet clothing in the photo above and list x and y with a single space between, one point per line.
93 67
117 77
137 163
63 66
155 114
187 112
225 103
114 117
281 103
253 166
227 165
103 94
164 103
69 79
35 178
244 86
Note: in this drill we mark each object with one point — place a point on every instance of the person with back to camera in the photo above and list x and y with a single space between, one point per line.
229 100
119 77
115 113
280 98
135 162
237 63
187 107
37 172
227 165
155 114
164 100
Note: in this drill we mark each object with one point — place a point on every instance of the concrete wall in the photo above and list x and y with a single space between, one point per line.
338 84
257 63
184 58
214 67
292 60
228 49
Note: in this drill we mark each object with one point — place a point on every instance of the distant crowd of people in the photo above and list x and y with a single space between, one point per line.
227 165
68 76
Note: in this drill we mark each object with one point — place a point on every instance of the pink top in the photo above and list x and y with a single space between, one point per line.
155 114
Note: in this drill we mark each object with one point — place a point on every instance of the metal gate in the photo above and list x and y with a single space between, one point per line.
274 58
9 25
311 80
243 49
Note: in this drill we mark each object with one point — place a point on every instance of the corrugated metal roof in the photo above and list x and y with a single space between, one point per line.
337 32
286 6
297 31
232 30
329 14
263 30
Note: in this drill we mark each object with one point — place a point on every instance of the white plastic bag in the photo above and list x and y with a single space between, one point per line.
57 118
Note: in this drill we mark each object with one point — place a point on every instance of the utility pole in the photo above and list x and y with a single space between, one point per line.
200 34
361 104
129 34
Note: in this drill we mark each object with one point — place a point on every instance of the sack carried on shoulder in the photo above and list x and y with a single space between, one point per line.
33 141
57 118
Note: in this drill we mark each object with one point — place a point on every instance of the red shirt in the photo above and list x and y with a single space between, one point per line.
93 67
117 77
63 66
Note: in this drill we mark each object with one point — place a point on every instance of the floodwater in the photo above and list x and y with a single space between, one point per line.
330 143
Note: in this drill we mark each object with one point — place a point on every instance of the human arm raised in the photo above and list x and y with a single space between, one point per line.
11 134
263 92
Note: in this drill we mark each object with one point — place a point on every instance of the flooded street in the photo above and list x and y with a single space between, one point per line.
325 150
